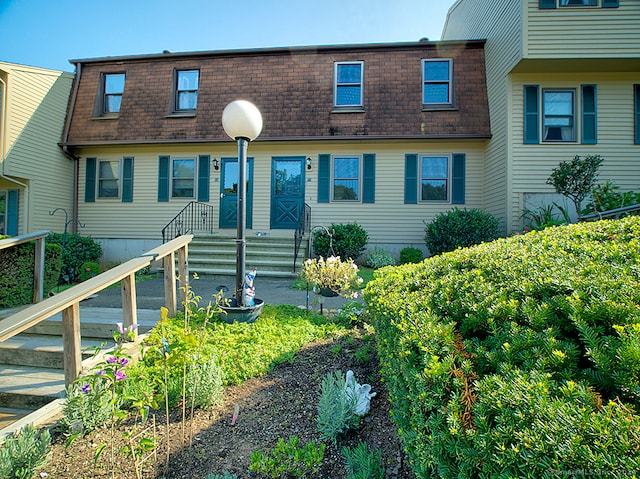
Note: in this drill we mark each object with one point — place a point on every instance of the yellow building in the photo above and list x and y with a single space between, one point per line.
36 177
563 79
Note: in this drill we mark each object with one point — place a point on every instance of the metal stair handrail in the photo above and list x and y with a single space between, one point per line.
195 216
304 226
614 213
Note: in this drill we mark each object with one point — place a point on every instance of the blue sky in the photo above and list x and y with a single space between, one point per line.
49 33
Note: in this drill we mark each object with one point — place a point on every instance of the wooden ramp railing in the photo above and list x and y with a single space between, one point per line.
69 300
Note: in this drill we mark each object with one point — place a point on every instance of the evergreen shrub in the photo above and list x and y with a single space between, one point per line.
345 240
517 358
410 254
77 251
17 266
460 228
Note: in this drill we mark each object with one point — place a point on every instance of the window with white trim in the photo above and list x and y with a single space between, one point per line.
437 83
183 177
109 179
558 115
346 178
435 173
113 88
348 81
186 90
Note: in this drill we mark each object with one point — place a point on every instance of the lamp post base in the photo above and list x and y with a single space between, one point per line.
241 314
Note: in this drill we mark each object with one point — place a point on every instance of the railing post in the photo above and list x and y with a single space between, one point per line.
129 305
183 274
71 341
38 273
169 265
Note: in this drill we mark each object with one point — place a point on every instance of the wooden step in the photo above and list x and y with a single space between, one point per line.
44 351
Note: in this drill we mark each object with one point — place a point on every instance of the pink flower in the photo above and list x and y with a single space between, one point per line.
120 375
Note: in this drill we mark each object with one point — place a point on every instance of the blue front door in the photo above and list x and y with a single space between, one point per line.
229 193
287 191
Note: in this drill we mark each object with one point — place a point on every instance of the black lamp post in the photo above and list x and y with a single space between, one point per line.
242 121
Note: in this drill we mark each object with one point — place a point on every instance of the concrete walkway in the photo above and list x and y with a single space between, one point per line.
150 293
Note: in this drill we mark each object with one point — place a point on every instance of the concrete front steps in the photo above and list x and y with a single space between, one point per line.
272 255
31 364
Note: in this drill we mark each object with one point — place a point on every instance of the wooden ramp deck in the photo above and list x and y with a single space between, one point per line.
32 378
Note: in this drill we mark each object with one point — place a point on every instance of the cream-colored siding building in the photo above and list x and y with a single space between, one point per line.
35 175
384 135
580 56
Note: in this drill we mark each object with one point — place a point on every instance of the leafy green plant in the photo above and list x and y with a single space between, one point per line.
23 453
77 251
88 270
545 216
410 254
574 179
345 240
336 409
607 197
363 354
288 459
363 463
460 228
379 257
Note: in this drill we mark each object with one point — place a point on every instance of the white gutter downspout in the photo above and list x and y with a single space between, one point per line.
3 135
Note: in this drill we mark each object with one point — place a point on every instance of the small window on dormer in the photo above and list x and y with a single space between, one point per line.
186 91
113 89
437 83
348 84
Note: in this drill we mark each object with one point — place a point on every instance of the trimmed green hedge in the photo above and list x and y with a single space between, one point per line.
16 280
517 358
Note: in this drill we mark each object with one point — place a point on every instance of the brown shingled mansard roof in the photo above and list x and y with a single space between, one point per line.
292 87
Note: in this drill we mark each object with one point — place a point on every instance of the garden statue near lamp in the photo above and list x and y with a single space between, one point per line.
248 289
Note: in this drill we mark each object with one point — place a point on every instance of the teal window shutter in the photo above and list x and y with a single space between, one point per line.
127 180
369 178
13 203
90 181
531 114
610 3
589 117
547 4
203 178
324 178
636 102
410 179
458 179
163 178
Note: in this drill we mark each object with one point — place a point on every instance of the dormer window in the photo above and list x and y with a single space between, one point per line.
109 96
348 85
437 83
186 90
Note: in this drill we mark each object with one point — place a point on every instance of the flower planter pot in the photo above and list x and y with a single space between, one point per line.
243 314
328 293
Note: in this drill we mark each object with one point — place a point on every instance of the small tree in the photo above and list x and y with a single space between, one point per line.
574 179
